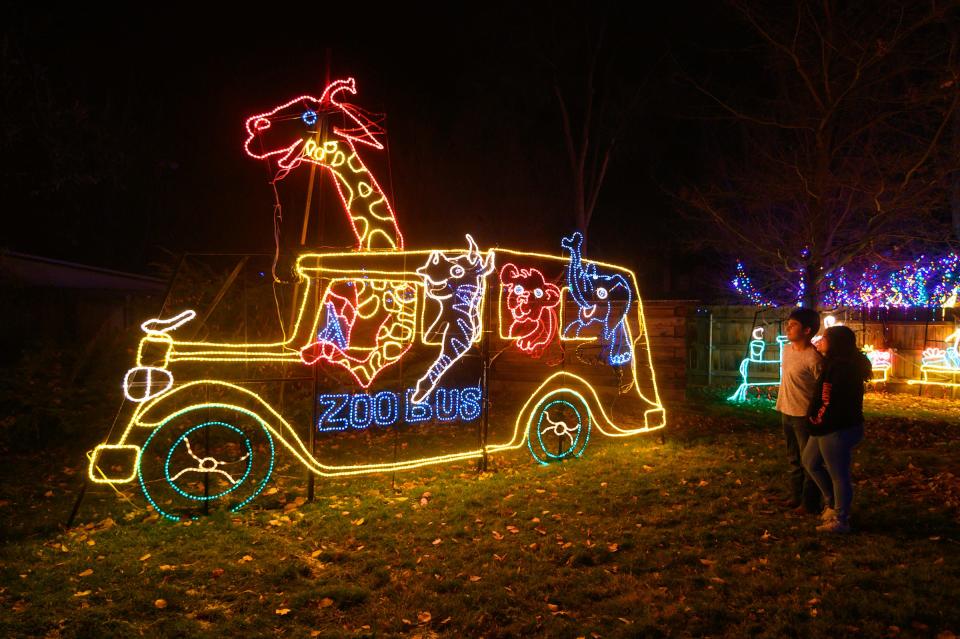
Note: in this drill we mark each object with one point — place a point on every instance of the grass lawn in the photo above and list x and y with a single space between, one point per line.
637 538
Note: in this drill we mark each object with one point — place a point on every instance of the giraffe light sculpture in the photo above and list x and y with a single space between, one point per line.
290 134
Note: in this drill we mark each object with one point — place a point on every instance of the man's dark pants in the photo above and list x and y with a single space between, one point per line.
803 490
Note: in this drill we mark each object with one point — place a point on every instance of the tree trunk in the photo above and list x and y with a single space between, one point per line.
812 279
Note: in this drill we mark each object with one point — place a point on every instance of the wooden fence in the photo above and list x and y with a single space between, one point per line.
668 328
725 331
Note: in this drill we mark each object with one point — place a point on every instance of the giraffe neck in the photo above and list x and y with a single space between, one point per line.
366 205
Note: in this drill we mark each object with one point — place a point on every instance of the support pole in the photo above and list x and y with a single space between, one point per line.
313 431
485 387
77 502
710 351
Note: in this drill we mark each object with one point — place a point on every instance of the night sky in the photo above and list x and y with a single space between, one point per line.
123 130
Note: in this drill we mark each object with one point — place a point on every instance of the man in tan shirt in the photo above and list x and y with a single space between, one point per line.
799 372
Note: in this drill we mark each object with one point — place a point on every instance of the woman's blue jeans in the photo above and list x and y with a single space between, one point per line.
828 459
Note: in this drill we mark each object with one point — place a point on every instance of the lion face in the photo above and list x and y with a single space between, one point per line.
532 302
527 292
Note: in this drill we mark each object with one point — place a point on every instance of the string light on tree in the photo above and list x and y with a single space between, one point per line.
923 283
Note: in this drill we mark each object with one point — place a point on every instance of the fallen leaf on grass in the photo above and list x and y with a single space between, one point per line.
513 529
296 503
245 559
167 567
282 611
104 524
613 547
707 562
424 617
358 522
160 603
82 593
474 577
86 573
315 553
496 535
326 602
217 573
437 541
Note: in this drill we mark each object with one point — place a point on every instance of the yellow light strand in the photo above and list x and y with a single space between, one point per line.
163 406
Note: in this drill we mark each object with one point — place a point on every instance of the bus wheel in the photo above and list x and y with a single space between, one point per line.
204 457
559 427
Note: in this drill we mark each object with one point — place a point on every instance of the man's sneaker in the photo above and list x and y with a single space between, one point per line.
834 526
828 514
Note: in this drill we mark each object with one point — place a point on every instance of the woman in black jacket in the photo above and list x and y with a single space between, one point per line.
836 425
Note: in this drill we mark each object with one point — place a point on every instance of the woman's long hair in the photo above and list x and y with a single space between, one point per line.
842 345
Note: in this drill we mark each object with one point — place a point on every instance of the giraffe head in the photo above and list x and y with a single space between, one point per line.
288 132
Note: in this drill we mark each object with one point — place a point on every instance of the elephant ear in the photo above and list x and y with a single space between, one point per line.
509 273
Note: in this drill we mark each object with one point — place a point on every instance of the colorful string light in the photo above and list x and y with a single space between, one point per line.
743 285
532 303
362 311
457 282
162 350
755 362
603 299
287 134
341 411
383 311
941 366
923 283
881 362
